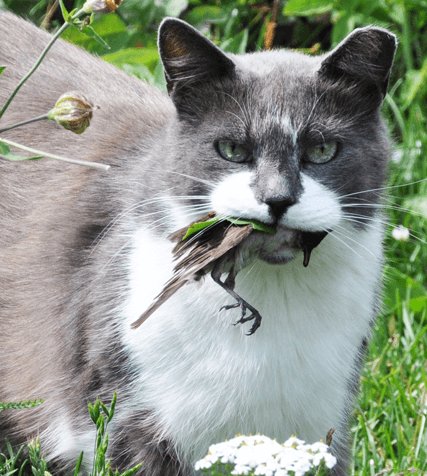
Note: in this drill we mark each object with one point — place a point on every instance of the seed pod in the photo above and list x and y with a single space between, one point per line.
73 112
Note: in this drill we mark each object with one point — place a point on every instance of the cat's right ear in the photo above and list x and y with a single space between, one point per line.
188 57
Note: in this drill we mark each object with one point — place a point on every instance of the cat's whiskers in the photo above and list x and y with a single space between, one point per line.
136 206
243 110
382 188
153 226
336 237
316 101
196 179
344 234
237 117
382 206
361 219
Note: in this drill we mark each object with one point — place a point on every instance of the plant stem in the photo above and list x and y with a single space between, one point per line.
23 123
94 165
38 62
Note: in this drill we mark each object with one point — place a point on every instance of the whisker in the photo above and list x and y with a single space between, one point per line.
139 205
333 235
382 206
242 109
384 188
237 117
341 233
355 220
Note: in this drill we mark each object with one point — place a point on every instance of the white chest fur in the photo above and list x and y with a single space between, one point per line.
206 381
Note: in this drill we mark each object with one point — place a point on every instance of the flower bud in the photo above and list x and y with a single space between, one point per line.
72 111
101 6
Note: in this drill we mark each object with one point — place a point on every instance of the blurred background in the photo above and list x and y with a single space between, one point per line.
390 420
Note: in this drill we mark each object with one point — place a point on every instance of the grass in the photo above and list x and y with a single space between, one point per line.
28 460
390 436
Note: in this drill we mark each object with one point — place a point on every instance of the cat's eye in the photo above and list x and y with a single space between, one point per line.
321 153
232 151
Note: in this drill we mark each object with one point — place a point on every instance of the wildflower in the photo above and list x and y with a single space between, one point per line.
73 111
400 233
101 6
260 456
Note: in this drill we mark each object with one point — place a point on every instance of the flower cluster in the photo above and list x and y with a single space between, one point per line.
261 456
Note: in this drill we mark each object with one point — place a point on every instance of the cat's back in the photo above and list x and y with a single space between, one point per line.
128 114
51 211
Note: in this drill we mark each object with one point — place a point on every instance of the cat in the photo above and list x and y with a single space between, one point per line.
291 140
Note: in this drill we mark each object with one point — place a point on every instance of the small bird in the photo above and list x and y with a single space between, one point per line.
213 249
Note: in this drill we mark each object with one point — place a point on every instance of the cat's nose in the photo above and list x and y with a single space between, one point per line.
279 205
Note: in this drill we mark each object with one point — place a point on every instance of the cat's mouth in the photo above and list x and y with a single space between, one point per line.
284 245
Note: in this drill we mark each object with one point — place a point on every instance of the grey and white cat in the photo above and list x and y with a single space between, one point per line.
282 137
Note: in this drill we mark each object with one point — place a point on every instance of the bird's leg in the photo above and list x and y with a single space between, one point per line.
228 286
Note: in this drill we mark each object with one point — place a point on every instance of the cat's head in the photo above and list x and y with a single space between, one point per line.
280 136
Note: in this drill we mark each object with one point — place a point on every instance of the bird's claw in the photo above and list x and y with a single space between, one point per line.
228 286
229 306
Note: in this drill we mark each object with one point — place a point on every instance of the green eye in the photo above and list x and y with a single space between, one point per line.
322 153
232 151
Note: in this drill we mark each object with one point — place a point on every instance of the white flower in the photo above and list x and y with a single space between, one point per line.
400 233
263 456
101 6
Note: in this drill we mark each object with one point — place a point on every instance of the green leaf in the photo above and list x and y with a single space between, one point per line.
201 225
418 304
256 225
7 154
414 85
78 465
344 24
91 33
113 31
112 407
400 285
132 471
64 11
2 68
307 7
206 14
147 57
237 44
20 405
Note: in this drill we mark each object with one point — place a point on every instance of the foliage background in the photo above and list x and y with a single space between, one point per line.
390 420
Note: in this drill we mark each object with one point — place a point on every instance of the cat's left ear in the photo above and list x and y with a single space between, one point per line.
188 57
366 55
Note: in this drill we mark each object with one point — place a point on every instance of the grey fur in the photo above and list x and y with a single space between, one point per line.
57 326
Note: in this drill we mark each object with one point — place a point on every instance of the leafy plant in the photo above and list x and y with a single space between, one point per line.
13 463
101 416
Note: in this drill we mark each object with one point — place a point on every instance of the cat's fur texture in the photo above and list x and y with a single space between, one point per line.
84 252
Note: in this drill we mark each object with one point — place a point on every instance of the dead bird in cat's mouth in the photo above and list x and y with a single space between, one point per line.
225 246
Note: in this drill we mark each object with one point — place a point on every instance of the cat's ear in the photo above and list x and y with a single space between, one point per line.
188 57
366 55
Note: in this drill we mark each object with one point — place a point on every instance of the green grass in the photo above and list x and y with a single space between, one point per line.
390 419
